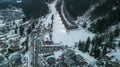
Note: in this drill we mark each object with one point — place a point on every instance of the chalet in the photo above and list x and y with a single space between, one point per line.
83 64
15 47
61 64
100 63
68 54
73 60
108 65
3 62
90 65
115 64
70 62
51 60
79 58
49 1
3 45
50 48
3 51
16 59
47 42
73 63
107 58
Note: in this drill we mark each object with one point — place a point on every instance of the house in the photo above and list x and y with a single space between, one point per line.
90 65
61 64
69 53
3 45
3 51
73 63
14 47
49 1
47 42
3 62
16 59
79 58
107 58
51 61
70 62
83 64
115 64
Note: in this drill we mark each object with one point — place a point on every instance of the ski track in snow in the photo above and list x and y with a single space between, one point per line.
61 35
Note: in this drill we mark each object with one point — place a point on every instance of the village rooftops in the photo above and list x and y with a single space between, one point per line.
3 62
68 53
79 57
51 60
61 64
1 59
73 66
69 61
15 57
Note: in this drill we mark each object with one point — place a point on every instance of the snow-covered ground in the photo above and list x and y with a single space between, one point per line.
115 54
66 37
87 57
2 25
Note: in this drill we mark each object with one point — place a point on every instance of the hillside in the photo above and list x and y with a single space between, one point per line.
60 33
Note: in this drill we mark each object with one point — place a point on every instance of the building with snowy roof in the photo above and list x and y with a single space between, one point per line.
3 62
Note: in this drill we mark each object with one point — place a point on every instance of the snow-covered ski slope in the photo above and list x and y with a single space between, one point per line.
60 34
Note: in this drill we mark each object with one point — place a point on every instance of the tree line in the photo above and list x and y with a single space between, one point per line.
100 45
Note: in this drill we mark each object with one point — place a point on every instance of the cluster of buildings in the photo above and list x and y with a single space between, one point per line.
12 46
108 61
67 58
11 13
72 60
3 62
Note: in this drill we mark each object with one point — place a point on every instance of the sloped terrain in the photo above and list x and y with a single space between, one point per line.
34 8
41 29
110 13
78 7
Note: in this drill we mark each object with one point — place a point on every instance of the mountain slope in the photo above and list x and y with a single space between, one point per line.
34 8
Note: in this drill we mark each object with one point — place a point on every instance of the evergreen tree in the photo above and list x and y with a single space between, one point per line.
96 52
119 44
29 30
81 46
88 40
116 32
84 25
104 51
91 52
111 38
33 26
86 48
21 30
15 30
87 45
